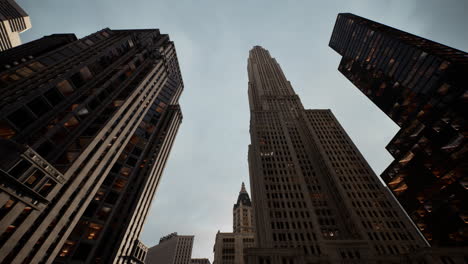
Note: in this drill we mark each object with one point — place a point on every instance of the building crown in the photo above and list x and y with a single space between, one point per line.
243 188
243 197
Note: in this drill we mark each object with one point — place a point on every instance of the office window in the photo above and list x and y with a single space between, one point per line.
6 131
20 168
65 88
21 118
39 106
47 187
34 178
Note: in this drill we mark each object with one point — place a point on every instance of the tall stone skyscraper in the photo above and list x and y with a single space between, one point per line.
423 87
86 127
13 21
229 247
315 198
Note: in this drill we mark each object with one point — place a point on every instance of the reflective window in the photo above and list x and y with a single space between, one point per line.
72 123
39 106
25 72
47 187
53 96
67 247
21 118
20 168
104 213
125 171
6 131
34 178
119 184
65 87
36 66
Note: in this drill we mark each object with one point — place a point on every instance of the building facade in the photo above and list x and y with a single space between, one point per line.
79 121
172 249
422 86
315 198
13 21
229 247
200 261
28 52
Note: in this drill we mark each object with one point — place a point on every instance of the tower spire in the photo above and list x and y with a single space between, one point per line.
243 188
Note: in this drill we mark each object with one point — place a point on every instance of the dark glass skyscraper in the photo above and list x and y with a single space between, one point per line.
86 127
423 87
315 198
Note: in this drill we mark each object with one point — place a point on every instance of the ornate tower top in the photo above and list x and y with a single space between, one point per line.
243 198
242 213
243 188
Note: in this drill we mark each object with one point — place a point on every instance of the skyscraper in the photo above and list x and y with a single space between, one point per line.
13 20
172 249
315 198
230 246
423 87
86 126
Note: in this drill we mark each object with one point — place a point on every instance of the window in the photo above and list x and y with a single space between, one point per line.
20 168
53 96
92 207
447 260
82 252
39 106
9 78
72 123
25 72
137 151
45 148
89 42
67 247
112 197
65 87
99 195
104 213
131 161
125 171
47 187
86 74
6 208
21 118
34 178
36 66
6 131
60 136
120 184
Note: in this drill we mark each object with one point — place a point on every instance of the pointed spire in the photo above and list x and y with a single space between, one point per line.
243 197
243 188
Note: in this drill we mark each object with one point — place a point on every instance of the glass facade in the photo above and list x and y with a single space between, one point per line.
422 86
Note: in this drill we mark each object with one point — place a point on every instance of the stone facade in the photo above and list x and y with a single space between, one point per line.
86 127
242 213
13 21
229 247
172 249
315 198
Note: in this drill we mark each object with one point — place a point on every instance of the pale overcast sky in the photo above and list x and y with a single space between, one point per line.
209 159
